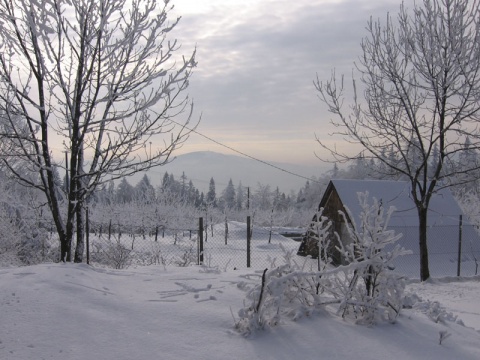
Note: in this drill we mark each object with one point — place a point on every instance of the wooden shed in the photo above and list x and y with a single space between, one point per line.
443 217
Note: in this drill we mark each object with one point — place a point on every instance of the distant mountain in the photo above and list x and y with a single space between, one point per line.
201 166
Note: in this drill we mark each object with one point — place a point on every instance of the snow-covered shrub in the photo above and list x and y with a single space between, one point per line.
371 291
433 309
320 236
112 253
36 247
364 289
155 254
317 242
189 254
285 291
10 239
23 241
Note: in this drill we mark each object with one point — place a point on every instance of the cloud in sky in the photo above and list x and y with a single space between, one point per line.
257 60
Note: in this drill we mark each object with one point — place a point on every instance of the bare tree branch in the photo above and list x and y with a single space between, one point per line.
420 77
97 77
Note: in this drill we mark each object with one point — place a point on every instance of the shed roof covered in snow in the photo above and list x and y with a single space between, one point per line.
443 208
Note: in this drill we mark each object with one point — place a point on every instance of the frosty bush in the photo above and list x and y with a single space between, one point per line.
10 239
22 241
365 289
319 236
113 253
369 289
286 291
188 254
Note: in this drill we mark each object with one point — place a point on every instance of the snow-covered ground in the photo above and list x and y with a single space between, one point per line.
76 311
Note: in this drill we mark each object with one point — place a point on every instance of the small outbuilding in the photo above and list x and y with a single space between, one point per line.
444 230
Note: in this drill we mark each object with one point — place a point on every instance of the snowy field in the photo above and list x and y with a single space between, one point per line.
76 311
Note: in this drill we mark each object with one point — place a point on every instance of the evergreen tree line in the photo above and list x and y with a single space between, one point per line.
232 198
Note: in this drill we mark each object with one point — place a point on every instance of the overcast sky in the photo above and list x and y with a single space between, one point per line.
257 60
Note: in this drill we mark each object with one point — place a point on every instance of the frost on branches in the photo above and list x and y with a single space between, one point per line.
365 289
370 290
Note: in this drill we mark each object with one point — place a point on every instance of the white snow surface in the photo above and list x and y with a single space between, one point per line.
77 311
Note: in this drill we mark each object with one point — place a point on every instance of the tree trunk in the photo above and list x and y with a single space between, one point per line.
64 248
67 242
79 249
79 210
422 228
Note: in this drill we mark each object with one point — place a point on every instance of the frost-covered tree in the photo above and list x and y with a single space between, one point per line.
211 198
262 198
420 76
228 196
467 182
144 191
98 79
240 197
124 192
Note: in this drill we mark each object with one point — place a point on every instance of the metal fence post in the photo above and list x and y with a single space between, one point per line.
459 261
200 241
249 239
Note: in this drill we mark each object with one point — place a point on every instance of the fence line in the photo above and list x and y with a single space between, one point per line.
453 250
225 247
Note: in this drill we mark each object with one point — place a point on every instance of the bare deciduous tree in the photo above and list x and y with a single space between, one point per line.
420 74
97 80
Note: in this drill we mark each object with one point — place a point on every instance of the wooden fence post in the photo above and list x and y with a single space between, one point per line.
226 231
249 239
200 241
459 261
87 231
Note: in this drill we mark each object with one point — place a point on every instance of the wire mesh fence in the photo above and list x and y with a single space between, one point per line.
224 246
453 250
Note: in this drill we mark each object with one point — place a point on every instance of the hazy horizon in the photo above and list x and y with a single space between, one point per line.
257 60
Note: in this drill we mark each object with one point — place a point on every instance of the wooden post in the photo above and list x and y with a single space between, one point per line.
87 235
226 231
459 261
249 239
200 241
